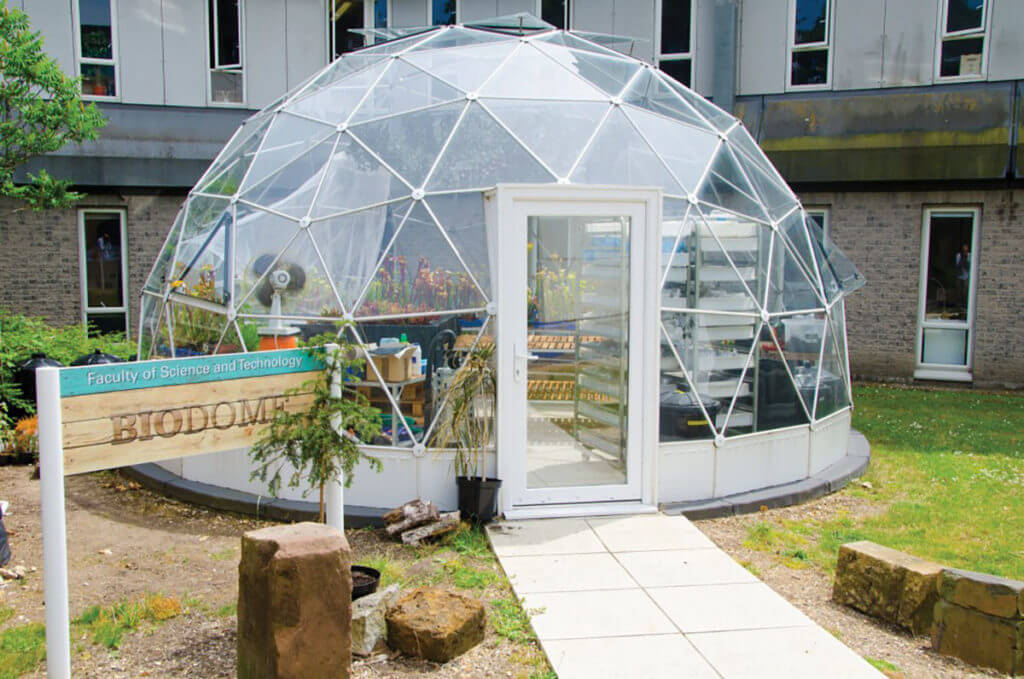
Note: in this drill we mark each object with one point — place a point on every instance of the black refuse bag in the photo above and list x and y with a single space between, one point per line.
5 548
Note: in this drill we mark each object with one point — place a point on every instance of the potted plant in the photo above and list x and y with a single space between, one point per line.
321 442
466 423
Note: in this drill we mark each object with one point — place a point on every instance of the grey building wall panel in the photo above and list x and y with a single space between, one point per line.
1006 51
140 39
762 60
858 43
635 18
266 74
185 52
408 13
514 7
306 24
474 10
703 47
52 18
909 51
597 16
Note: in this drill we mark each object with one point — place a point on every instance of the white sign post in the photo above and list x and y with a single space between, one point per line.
114 415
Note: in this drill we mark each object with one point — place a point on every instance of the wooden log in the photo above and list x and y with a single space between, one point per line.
447 522
411 514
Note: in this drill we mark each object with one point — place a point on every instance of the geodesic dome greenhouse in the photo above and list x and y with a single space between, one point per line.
369 186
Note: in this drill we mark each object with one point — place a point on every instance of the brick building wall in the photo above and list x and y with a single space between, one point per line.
39 258
881 232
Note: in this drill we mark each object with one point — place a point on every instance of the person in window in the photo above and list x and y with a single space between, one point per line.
962 265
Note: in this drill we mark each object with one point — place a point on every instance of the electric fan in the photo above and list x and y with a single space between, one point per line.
281 278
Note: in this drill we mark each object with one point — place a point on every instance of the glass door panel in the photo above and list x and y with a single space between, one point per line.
578 293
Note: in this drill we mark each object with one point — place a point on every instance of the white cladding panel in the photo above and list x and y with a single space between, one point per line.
703 47
474 10
596 16
185 52
140 41
1006 51
306 39
505 7
762 47
408 13
52 18
265 71
857 43
636 19
910 29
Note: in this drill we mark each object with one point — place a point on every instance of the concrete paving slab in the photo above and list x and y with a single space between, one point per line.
648 532
684 567
566 573
603 613
716 608
543 536
650 657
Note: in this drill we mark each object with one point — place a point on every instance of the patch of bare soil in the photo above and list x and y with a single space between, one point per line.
125 542
810 590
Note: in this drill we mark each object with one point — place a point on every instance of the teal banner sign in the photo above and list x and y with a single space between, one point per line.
97 379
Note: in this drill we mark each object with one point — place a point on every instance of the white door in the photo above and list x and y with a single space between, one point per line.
576 323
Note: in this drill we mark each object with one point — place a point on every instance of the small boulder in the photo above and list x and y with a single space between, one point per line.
435 624
369 628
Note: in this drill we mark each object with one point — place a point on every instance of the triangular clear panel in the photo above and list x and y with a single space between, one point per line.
335 103
461 215
352 245
800 338
725 186
260 238
291 189
619 155
531 74
608 73
464 67
776 198
412 39
308 292
837 267
685 149
420 273
151 316
471 336
456 36
678 223
355 180
410 143
649 92
564 39
195 331
779 403
837 321
721 120
748 149
199 268
403 88
481 154
743 242
288 138
831 385
789 288
347 65
557 145
225 175
157 279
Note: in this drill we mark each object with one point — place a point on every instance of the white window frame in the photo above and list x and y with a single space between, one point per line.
826 213
936 371
212 68
369 21
676 56
83 272
113 61
943 37
793 48
539 12
430 13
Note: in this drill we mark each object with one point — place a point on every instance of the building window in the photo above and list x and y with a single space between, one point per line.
227 81
962 48
675 55
820 216
443 12
97 48
344 16
809 39
104 270
555 12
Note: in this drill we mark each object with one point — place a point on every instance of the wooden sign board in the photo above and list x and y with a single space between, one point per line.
121 414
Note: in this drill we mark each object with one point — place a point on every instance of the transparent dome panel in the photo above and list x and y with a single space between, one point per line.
403 88
610 74
461 218
465 68
685 150
355 180
291 189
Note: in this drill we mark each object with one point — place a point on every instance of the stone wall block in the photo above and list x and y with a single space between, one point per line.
986 593
978 638
435 624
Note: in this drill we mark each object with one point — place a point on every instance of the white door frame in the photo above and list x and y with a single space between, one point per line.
83 281
935 371
508 206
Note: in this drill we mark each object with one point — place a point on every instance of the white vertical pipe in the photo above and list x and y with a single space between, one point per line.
334 492
55 546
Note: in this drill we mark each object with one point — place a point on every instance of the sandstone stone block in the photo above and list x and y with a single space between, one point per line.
986 593
887 584
978 638
369 627
435 624
294 603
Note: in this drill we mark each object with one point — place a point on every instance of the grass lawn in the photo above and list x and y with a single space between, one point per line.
946 483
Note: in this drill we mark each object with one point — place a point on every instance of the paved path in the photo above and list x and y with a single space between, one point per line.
644 597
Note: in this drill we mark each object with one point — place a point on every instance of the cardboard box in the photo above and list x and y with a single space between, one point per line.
395 363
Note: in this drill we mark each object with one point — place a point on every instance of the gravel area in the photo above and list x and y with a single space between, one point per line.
810 590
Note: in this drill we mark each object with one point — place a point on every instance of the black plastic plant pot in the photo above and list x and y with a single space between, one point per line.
364 581
97 357
478 498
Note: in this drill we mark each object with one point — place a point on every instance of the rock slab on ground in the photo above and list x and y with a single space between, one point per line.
369 624
435 624
294 603
887 584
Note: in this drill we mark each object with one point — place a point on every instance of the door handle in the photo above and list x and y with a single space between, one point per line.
519 363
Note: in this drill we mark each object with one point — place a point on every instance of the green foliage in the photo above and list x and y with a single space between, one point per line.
321 443
468 416
22 648
470 541
41 110
511 620
21 336
107 626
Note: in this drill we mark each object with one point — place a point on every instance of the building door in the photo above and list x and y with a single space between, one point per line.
949 268
577 307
